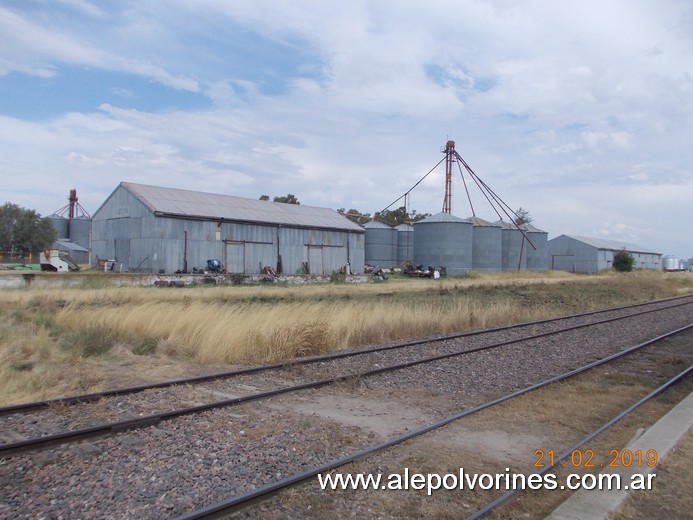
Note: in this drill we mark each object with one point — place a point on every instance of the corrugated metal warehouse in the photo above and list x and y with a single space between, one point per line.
590 255
154 229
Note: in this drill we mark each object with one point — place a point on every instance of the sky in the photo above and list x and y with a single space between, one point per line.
579 112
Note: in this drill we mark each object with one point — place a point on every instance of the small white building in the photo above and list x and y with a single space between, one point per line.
578 254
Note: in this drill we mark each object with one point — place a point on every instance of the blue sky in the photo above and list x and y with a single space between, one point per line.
580 112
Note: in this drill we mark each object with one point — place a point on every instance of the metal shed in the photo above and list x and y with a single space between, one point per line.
590 255
157 229
78 253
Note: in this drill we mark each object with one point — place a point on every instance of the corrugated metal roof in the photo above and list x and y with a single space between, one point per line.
67 244
612 245
195 204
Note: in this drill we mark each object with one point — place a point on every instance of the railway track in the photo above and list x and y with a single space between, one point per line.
575 448
245 500
610 314
172 449
326 370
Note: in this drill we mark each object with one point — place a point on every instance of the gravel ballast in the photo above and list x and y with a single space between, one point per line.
192 461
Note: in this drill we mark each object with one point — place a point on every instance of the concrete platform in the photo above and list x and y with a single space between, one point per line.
662 436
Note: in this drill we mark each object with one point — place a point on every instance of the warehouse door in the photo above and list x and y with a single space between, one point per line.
235 257
315 260
563 263
119 247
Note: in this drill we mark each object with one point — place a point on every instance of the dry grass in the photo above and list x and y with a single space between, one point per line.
229 333
47 340
668 499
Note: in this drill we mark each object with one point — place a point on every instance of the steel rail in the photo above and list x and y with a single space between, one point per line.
244 500
85 398
511 492
47 441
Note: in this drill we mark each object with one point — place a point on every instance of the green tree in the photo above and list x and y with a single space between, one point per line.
522 216
23 230
392 218
288 199
355 216
623 261
400 216
415 217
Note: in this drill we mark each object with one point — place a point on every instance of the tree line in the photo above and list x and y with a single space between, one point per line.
393 217
23 231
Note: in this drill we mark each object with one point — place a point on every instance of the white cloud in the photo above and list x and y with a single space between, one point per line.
580 112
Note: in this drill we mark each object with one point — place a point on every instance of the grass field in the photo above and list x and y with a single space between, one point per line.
62 341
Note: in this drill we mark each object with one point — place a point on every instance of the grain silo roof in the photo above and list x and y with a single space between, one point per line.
376 224
505 225
529 228
175 202
480 222
441 217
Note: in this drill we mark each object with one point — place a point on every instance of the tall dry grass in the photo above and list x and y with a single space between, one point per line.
112 295
214 332
28 359
47 344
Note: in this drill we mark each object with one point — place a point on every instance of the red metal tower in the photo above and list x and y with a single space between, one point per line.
450 157
74 208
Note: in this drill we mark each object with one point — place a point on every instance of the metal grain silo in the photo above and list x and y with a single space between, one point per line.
511 245
537 257
80 231
487 245
405 243
61 226
444 240
381 244
671 263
